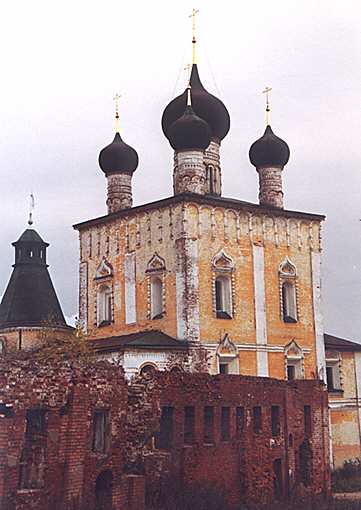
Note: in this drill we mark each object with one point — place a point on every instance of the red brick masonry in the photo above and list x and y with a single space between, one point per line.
74 437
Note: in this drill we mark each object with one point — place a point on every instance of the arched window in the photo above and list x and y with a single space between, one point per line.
156 278
289 308
104 305
294 361
223 274
148 371
223 297
156 297
288 291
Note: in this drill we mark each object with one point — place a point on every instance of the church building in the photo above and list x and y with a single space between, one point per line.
162 280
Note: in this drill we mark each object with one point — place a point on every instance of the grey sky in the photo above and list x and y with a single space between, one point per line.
62 63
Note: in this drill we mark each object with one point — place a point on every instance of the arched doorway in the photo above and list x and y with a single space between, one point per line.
103 491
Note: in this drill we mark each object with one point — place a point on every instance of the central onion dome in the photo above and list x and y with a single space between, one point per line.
205 105
269 151
189 131
118 157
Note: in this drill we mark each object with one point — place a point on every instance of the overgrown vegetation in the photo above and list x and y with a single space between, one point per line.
348 477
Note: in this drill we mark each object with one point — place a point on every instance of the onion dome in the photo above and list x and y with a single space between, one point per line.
118 157
205 105
269 151
189 131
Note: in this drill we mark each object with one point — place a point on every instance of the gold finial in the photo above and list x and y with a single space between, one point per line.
194 40
188 68
31 208
117 122
266 91
189 97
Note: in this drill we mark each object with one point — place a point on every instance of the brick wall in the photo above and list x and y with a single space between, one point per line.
243 462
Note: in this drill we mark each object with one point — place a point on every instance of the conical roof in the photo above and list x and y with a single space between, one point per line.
30 298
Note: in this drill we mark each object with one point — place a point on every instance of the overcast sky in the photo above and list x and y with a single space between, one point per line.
62 63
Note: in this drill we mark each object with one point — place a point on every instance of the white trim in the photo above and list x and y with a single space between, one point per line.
318 316
130 289
180 289
260 307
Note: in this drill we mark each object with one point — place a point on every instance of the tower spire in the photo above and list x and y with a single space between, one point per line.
31 208
266 91
194 40
117 121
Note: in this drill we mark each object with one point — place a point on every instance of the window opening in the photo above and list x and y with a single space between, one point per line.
156 295
239 421
257 419
164 438
223 297
275 421
189 425
208 420
307 420
225 423
104 305
289 302
100 431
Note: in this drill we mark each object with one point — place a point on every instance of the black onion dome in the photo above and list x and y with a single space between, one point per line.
118 157
205 105
269 150
189 132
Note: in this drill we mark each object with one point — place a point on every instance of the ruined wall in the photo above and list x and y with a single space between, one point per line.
239 460
56 467
59 462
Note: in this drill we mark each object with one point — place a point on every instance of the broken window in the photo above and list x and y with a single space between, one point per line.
275 421
225 423
100 431
257 419
189 425
32 459
307 420
333 375
208 424
164 438
239 421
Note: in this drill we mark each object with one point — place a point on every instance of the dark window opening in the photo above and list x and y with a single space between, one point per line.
225 423
164 438
275 420
6 411
257 419
277 478
239 421
101 432
223 368
307 420
223 297
208 423
289 310
330 380
291 372
103 491
32 459
189 425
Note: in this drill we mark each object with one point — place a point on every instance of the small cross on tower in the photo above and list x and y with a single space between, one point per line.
266 91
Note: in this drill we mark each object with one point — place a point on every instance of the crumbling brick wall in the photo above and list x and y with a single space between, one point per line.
255 438
249 464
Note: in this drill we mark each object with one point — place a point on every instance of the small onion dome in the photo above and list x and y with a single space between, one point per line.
269 150
118 157
205 105
189 132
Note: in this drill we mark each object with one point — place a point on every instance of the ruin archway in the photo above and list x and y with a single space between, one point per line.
103 491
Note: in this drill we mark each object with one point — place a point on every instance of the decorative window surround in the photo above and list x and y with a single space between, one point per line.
104 297
156 299
227 357
294 361
223 286
288 289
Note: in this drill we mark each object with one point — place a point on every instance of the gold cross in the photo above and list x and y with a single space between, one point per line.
266 91
117 123
193 16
